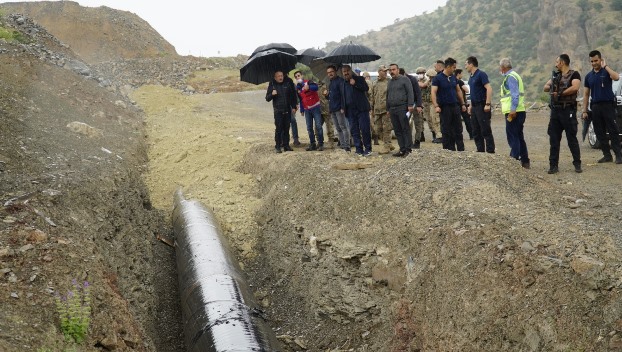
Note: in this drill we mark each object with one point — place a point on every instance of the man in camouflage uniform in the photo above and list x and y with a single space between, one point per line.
428 114
380 117
330 130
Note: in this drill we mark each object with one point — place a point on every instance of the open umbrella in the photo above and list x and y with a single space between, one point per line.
305 56
319 66
276 46
351 53
261 67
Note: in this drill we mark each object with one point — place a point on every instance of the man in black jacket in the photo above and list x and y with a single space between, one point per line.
357 108
282 93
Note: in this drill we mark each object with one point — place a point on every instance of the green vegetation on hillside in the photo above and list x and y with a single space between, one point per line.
531 32
10 35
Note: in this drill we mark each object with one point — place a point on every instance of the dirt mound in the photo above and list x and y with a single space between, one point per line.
437 251
74 207
95 34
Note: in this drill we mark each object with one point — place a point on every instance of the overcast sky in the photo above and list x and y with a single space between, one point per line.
231 27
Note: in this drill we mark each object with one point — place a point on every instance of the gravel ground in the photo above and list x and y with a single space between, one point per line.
437 251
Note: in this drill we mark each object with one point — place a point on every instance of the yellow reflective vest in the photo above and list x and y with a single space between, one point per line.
506 98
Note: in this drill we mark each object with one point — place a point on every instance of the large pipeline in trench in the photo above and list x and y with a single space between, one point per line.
218 308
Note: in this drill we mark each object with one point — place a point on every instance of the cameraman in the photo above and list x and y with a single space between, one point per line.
563 88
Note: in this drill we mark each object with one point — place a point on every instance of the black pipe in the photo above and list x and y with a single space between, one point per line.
218 308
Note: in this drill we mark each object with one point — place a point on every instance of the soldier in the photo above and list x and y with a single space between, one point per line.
428 114
370 83
380 115
326 119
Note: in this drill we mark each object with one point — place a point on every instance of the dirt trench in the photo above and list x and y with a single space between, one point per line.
438 251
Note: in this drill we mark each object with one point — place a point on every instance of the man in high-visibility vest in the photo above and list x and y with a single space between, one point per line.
513 107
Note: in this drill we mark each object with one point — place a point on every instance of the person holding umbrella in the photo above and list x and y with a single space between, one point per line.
356 108
282 93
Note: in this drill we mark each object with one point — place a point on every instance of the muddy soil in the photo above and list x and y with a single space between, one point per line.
439 251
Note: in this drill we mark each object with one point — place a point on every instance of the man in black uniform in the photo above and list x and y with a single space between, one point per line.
563 88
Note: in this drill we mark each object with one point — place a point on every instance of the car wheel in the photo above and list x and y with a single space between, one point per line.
591 137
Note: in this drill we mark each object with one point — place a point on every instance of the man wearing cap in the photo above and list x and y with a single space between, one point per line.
381 117
400 104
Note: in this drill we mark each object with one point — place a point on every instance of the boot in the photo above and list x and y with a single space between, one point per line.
416 145
422 137
605 159
311 147
376 140
296 142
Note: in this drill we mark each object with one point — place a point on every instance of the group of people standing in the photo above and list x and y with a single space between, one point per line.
361 110
598 97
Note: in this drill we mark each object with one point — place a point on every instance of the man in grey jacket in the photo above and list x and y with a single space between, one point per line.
400 105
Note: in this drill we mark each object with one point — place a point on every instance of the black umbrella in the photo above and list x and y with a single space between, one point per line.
276 46
305 56
261 67
351 53
319 66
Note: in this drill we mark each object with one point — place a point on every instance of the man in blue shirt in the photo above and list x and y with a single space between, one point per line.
448 101
481 97
598 86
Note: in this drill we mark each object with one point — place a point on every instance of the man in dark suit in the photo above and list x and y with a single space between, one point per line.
356 108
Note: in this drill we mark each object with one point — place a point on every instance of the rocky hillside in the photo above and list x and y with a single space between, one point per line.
96 34
531 32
